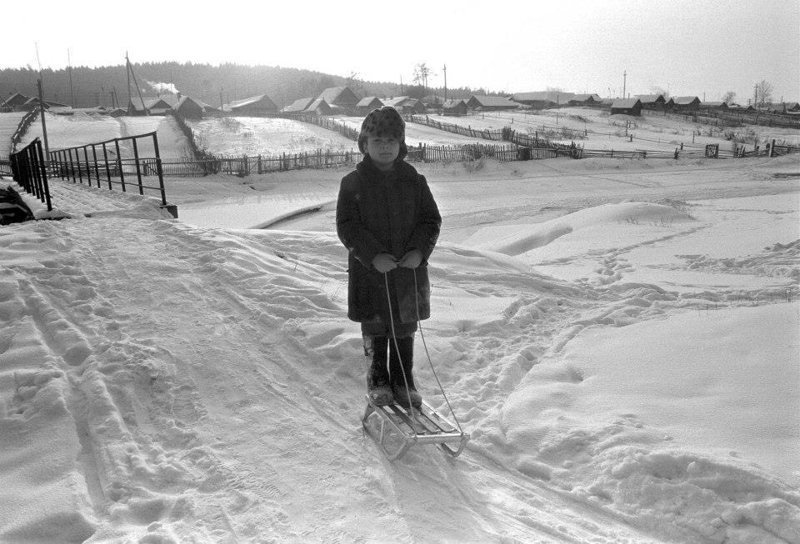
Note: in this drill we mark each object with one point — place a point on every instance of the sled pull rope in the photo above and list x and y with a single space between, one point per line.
394 340
424 344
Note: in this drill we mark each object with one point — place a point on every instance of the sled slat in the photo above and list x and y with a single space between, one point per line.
424 426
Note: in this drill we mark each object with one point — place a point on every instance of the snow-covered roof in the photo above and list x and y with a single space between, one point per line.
492 101
625 103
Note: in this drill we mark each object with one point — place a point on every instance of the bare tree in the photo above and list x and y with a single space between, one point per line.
729 97
354 81
421 73
659 90
762 93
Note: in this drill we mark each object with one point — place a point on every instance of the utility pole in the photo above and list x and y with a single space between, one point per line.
41 108
128 73
71 91
624 82
44 124
138 89
444 70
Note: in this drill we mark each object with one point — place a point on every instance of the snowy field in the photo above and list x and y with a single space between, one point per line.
417 134
620 338
80 129
236 136
594 128
8 126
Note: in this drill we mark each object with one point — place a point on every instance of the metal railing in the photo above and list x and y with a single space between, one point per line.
110 163
29 170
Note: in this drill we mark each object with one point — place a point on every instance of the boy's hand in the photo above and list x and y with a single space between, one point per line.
384 262
411 259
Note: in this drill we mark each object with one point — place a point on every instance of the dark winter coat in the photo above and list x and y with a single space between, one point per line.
391 212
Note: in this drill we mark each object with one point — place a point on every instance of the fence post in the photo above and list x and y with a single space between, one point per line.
108 170
96 167
119 165
138 167
88 168
44 179
160 171
78 160
71 165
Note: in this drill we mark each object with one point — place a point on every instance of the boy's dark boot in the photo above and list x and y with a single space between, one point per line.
378 388
401 367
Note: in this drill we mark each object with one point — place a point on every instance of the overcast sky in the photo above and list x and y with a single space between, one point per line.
685 47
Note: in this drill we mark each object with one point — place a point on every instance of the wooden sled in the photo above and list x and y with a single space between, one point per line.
396 429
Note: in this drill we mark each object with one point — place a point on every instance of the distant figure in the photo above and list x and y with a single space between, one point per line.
388 220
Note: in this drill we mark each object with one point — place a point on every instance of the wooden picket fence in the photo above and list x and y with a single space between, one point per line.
486 134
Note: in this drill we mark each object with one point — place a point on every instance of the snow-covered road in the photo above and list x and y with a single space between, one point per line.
171 381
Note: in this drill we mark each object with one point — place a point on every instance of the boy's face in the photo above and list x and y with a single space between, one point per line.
383 150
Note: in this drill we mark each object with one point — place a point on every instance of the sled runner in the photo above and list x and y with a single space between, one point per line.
396 429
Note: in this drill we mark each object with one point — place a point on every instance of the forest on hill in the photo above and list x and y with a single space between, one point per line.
81 86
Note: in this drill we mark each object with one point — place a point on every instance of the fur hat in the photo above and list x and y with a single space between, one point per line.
383 121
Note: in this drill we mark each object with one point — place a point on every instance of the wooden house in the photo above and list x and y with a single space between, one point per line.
136 106
714 106
33 103
455 107
787 107
367 104
319 107
685 103
490 103
189 108
654 102
340 99
14 102
543 99
405 104
298 106
626 106
584 100
255 105
161 105
148 106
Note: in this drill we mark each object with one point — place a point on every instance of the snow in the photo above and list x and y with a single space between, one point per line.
619 338
79 129
237 136
596 128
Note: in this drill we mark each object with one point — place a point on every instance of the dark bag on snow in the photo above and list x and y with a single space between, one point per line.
12 208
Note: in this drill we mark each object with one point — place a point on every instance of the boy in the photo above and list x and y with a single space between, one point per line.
388 220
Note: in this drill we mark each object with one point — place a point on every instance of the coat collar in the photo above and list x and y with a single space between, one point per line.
402 170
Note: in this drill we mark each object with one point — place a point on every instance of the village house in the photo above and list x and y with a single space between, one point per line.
193 108
319 107
33 103
254 105
405 104
490 103
298 106
584 100
340 99
14 102
714 106
455 107
626 106
543 99
654 102
367 104
685 103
